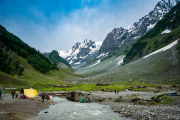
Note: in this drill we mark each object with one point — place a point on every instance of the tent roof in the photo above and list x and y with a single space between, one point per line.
30 92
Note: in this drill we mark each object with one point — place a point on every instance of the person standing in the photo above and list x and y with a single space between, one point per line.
115 91
43 96
16 94
0 94
13 93
48 97
21 93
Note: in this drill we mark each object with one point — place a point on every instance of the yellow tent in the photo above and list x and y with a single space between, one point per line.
30 92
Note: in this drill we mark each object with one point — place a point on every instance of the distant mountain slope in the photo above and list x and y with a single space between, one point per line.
156 38
131 50
58 60
121 38
81 53
155 57
163 67
55 58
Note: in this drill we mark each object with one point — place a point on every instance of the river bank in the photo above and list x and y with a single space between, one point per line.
137 110
20 109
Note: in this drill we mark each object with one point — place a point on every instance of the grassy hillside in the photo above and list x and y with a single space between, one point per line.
160 68
37 71
163 67
102 67
33 78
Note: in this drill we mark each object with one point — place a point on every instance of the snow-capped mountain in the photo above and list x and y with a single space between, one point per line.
64 54
81 52
122 36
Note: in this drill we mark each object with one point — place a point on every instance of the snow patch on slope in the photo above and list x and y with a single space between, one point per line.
94 64
166 31
103 55
98 45
150 27
162 49
120 60
64 54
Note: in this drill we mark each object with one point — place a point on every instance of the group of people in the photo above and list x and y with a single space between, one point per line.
15 93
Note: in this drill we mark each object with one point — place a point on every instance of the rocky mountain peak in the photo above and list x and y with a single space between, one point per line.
81 52
76 46
119 36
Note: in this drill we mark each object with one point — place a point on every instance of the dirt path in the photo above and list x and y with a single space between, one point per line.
19 109
128 94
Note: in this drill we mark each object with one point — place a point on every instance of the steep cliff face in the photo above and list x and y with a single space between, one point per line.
119 36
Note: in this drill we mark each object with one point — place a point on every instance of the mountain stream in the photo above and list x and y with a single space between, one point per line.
67 110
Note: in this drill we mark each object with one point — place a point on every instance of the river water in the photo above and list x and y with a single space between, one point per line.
67 110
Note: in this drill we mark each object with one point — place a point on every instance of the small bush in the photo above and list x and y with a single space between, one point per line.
118 99
135 99
140 102
161 99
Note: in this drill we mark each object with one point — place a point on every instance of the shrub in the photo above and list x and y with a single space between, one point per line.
118 99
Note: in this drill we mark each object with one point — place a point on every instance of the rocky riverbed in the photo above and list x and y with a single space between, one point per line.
126 107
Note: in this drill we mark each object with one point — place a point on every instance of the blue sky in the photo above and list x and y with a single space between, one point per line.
58 24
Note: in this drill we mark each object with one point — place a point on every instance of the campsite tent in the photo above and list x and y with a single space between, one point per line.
30 92
83 99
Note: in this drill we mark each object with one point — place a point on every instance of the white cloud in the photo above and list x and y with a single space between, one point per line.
60 32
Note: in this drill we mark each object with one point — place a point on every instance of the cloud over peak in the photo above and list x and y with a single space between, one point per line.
48 25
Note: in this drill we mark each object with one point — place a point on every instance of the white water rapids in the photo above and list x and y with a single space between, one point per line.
67 110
